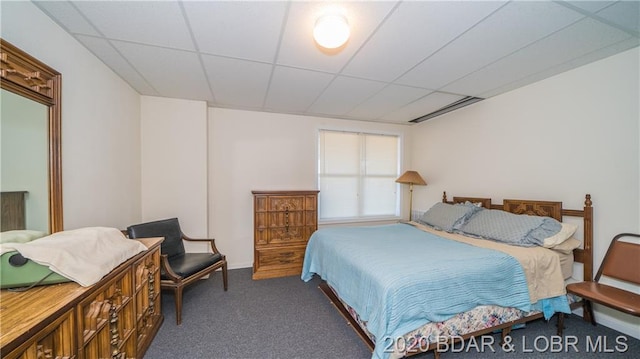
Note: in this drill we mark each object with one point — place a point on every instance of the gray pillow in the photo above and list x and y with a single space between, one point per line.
448 217
520 230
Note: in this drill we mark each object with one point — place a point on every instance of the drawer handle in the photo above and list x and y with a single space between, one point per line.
286 220
115 335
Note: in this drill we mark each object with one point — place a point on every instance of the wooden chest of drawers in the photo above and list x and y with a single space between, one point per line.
283 222
115 318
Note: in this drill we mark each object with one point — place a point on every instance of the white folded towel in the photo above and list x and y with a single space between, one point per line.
83 255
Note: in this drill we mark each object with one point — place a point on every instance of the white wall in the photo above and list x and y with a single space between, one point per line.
261 151
100 122
558 139
174 164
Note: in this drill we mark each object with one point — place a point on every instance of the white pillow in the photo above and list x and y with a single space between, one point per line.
567 230
477 204
20 236
567 246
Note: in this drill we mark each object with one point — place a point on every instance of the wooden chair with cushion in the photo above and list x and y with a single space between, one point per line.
621 262
178 268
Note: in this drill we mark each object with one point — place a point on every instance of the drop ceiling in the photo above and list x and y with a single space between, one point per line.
405 59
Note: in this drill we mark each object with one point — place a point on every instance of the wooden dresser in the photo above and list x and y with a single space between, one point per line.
283 222
115 318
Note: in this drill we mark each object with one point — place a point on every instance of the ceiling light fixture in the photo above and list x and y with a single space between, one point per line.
331 31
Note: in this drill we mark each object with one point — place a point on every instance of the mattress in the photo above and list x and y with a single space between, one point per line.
542 267
566 258
402 277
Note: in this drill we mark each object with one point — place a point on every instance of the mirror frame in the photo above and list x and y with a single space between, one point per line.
26 76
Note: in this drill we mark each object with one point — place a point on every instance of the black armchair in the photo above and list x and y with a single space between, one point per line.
178 268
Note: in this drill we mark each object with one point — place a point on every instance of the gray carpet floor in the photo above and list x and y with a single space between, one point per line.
288 318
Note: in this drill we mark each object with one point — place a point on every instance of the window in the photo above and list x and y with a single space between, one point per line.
356 175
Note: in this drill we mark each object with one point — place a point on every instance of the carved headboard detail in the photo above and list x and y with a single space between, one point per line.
534 208
549 209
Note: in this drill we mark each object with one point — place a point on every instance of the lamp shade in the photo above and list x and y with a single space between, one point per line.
411 177
331 31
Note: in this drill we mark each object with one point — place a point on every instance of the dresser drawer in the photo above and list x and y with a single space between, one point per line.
286 219
281 257
278 262
286 203
106 320
288 235
55 339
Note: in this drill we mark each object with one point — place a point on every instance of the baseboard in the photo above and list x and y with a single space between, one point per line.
610 318
621 322
239 265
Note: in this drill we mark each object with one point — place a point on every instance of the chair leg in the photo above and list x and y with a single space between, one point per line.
588 312
224 276
560 324
177 293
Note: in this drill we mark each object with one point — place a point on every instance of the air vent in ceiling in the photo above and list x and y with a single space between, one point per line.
448 108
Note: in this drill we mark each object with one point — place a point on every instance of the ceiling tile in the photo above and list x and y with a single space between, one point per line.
173 73
148 22
294 90
389 99
344 94
243 29
577 40
108 54
421 107
591 6
624 13
65 14
583 60
504 32
237 82
387 55
298 47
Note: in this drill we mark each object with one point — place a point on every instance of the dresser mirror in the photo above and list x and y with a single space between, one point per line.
30 143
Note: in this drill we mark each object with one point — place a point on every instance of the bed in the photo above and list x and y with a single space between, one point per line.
417 288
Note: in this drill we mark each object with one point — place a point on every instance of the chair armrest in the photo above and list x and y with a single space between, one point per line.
211 241
164 263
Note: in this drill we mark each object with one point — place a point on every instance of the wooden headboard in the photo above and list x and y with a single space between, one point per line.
552 209
13 210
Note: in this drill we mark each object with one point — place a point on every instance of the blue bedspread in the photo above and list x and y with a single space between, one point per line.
446 277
